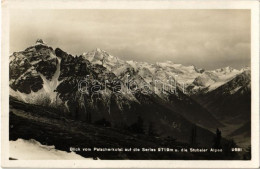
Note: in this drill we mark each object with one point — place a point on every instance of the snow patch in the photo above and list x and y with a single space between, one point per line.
33 150
39 97
51 85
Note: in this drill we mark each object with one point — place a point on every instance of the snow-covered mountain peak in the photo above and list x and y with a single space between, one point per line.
245 69
227 69
210 80
163 64
98 50
99 55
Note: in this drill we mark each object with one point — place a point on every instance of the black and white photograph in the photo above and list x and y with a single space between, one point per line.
130 84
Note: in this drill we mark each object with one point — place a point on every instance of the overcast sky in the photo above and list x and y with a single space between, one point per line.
205 38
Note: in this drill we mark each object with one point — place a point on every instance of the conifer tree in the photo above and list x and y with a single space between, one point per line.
217 140
193 140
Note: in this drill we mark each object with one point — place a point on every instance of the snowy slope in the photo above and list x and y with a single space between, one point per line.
33 150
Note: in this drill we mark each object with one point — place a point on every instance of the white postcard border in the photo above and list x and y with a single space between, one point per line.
123 4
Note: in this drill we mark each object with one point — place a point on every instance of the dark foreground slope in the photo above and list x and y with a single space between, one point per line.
49 128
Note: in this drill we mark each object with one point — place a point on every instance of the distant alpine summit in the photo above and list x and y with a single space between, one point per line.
196 80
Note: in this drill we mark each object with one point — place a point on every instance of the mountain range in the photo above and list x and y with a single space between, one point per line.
171 97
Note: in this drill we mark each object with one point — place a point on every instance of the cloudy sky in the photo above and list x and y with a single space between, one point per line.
205 38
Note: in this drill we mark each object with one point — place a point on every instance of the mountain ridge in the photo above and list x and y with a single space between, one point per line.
44 76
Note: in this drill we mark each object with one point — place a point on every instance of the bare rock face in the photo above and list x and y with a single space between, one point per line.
27 67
